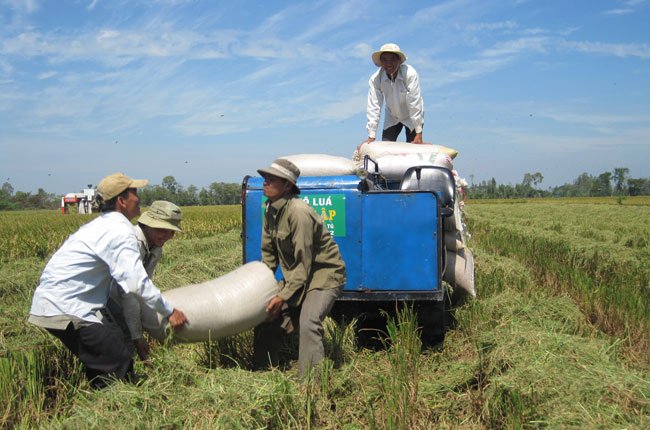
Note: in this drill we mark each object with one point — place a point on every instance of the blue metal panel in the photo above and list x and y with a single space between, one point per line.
252 222
343 187
389 239
399 241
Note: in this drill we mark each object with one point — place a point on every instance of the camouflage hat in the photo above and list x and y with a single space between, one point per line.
282 168
113 185
162 214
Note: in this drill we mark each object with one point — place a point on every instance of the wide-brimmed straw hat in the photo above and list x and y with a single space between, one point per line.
162 214
113 185
388 47
283 168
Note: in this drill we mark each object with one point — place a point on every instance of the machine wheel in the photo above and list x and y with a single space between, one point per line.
432 319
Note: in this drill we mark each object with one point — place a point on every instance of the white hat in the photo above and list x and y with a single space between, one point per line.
388 47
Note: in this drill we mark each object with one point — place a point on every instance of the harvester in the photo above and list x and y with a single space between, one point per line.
397 220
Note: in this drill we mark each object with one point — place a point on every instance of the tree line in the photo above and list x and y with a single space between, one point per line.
614 183
22 200
217 193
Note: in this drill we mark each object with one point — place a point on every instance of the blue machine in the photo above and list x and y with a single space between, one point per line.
390 239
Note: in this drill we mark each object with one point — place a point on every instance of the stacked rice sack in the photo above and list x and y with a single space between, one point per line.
393 158
459 269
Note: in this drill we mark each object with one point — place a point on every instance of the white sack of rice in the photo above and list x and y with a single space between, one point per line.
460 270
322 164
225 306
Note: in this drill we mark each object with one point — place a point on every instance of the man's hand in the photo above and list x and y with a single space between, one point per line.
418 138
274 308
370 139
177 319
142 348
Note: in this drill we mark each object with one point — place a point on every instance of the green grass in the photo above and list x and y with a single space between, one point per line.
597 254
524 354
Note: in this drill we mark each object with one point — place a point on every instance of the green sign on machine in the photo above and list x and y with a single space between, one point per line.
331 207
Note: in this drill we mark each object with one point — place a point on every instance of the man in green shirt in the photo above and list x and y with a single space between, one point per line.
294 238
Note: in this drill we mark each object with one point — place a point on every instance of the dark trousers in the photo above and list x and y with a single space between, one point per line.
390 134
101 350
309 318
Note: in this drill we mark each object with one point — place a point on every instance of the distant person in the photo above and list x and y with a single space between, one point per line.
70 299
398 85
155 227
294 238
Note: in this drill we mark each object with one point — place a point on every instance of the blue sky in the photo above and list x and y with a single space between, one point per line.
210 91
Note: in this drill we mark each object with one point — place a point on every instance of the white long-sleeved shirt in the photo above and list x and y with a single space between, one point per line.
130 303
403 100
75 282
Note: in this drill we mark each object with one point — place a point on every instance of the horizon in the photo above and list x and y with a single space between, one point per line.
209 93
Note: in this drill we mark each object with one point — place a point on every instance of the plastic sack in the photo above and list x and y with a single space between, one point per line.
380 149
228 305
459 271
393 167
322 164
453 241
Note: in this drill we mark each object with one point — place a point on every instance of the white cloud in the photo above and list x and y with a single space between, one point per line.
615 49
46 75
490 26
342 109
451 72
629 6
115 47
23 6
603 122
618 11
332 17
446 10
5 66
512 47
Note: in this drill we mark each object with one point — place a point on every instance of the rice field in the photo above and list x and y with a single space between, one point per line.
40 233
557 337
595 253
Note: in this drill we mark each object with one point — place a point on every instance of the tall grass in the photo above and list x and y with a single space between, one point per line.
522 358
400 384
36 384
599 260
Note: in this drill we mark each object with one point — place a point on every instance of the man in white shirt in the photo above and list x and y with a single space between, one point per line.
74 285
398 85
155 227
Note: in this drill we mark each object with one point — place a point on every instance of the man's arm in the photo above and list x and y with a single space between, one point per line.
415 103
373 108
269 253
125 265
